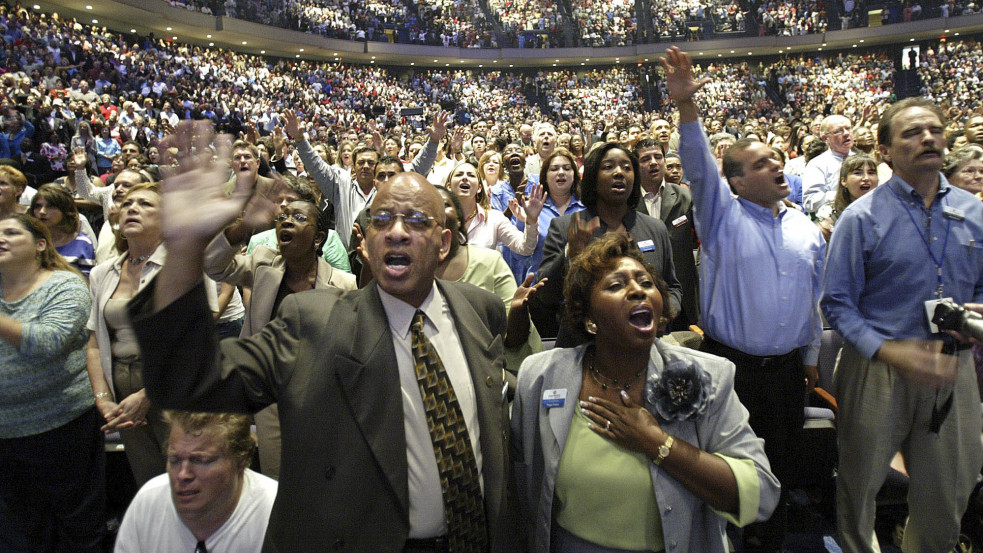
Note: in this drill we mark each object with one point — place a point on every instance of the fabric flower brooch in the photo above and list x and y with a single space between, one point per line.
681 392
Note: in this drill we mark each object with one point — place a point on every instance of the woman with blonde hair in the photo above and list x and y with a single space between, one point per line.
490 170
12 185
114 359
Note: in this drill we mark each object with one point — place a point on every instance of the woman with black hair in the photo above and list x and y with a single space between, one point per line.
610 191
294 266
627 443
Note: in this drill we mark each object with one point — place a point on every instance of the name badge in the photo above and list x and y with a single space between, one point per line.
554 398
953 213
679 221
646 246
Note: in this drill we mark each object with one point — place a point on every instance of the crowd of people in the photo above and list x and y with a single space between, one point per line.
843 82
145 86
538 23
605 23
535 23
603 94
792 17
156 196
946 74
735 91
610 23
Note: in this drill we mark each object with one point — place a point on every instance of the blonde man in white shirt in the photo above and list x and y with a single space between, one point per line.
208 500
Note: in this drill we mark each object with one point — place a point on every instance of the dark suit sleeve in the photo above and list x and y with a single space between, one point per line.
186 368
669 272
545 306
649 228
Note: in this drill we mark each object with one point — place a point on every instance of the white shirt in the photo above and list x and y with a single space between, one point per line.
653 200
820 180
427 517
152 525
440 169
489 227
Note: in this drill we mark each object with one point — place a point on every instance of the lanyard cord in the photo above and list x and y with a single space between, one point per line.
939 261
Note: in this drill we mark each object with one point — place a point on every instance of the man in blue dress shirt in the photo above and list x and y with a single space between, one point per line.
899 385
760 279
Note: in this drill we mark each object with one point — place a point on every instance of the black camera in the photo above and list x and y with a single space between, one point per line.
950 316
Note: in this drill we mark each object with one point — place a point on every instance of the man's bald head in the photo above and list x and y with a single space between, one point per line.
406 239
837 131
411 183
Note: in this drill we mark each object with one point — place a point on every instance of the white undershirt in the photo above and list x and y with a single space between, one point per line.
653 201
427 518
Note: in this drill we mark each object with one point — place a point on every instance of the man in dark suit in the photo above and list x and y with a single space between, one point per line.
359 471
673 205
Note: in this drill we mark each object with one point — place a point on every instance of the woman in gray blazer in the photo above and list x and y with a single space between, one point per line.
626 443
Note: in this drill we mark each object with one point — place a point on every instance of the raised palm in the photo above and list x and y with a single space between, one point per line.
532 204
194 204
680 79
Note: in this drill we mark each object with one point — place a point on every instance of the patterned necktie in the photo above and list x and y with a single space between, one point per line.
463 503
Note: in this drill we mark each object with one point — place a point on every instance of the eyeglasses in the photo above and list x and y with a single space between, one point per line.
838 132
297 217
416 220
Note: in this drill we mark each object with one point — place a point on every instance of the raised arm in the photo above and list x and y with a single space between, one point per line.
194 208
329 179
711 195
424 159
682 84
521 242
84 186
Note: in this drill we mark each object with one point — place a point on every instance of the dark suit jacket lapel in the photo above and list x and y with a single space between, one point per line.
669 201
369 379
480 348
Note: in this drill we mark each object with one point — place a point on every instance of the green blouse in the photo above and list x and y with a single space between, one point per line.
604 492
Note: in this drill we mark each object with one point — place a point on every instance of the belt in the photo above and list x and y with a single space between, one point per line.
426 545
745 358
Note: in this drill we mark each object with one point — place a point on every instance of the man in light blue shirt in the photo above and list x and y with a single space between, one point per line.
913 240
760 280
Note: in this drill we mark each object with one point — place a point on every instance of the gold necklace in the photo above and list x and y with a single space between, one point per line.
473 213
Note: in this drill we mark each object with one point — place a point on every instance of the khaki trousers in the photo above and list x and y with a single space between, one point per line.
881 413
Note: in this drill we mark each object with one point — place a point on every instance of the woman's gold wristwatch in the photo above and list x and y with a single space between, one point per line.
664 450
